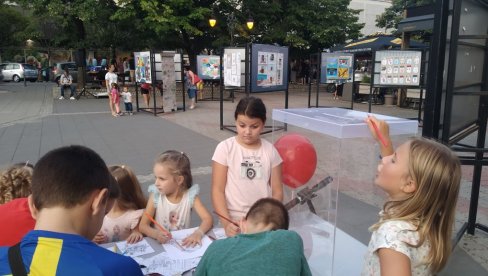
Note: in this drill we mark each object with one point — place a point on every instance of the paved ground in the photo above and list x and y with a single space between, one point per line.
32 122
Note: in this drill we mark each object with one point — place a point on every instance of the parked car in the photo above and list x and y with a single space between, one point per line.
58 69
1 75
15 72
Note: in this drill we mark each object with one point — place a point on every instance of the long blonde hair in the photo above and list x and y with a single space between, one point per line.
436 171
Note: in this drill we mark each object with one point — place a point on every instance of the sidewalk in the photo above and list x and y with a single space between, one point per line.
32 122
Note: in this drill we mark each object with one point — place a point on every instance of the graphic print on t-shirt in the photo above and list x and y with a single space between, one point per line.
251 167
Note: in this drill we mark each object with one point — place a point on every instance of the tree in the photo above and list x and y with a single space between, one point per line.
394 14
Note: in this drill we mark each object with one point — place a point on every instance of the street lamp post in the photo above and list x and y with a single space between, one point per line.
231 24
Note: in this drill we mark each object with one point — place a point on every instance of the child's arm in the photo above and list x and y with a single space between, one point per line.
100 238
206 224
276 183
394 263
219 180
145 224
135 235
384 131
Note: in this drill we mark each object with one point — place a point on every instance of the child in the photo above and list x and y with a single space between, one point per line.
122 220
190 85
265 247
71 193
15 216
413 236
116 98
245 167
171 199
127 100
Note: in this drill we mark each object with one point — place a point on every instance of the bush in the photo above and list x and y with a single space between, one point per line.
366 79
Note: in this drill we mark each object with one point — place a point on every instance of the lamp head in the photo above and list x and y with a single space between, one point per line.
212 21
250 23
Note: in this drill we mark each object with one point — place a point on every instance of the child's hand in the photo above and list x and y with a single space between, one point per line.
231 230
100 238
382 126
135 237
162 237
193 240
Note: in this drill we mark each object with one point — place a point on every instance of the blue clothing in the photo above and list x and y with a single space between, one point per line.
52 253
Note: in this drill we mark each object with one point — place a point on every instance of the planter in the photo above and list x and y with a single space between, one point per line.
389 99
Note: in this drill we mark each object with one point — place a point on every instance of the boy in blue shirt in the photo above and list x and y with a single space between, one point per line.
72 190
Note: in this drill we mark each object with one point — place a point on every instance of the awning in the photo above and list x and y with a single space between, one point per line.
369 44
416 23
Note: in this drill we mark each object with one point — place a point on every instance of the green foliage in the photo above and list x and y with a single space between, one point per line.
12 31
394 14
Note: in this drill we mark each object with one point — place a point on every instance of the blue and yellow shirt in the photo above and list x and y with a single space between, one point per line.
51 253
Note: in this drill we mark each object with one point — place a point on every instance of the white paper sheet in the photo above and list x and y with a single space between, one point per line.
136 249
164 265
176 252
219 233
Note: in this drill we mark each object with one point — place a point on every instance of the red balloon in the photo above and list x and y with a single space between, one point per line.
299 159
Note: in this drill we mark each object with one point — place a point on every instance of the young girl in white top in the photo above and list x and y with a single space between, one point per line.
171 199
121 223
413 236
245 168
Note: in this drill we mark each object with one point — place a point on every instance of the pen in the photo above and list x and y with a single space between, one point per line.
227 219
378 133
179 245
166 232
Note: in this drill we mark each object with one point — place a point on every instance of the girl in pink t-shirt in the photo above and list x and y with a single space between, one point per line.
121 223
115 94
245 168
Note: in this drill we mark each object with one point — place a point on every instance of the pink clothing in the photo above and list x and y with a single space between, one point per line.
119 229
115 96
248 173
15 220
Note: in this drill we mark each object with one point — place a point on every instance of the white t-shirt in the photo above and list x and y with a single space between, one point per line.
127 97
174 216
110 78
248 173
397 235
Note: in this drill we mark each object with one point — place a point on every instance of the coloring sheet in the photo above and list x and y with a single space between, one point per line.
164 265
219 233
175 249
136 249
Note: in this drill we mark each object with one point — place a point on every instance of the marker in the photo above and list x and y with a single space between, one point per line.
227 219
378 133
166 232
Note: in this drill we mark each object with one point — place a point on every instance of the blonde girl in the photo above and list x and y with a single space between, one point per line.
171 199
121 223
421 179
245 167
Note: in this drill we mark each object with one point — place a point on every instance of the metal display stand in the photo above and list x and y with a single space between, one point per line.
457 105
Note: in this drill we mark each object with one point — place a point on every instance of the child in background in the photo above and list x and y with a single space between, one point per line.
422 179
171 199
15 217
245 168
121 223
127 100
116 98
265 247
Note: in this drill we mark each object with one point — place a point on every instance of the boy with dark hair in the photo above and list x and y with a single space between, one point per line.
265 246
72 190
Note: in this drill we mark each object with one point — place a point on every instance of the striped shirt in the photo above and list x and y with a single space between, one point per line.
51 253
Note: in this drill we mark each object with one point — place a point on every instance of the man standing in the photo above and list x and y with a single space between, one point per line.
66 81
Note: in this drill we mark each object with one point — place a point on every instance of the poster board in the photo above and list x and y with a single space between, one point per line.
208 67
398 68
336 67
234 67
269 68
143 67
169 81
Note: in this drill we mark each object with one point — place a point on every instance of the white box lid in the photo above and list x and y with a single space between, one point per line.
341 123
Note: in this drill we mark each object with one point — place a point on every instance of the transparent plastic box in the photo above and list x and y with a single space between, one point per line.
346 163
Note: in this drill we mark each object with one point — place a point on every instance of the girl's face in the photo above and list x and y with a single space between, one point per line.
249 130
125 89
393 174
166 182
